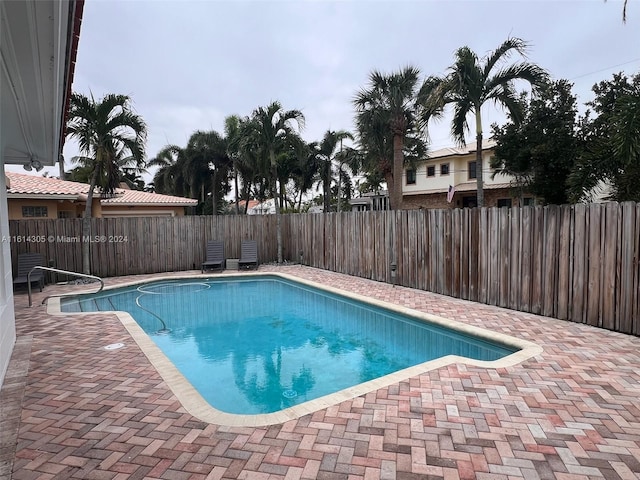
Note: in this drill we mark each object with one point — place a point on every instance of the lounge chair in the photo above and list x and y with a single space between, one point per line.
248 254
215 256
26 261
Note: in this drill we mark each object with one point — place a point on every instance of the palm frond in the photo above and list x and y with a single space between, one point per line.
626 136
503 53
531 73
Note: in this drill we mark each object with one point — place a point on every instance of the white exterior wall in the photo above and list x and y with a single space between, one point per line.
7 317
35 44
458 174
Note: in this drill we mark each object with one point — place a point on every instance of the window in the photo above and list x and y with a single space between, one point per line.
33 212
444 169
431 171
65 214
504 202
472 170
411 176
528 202
469 202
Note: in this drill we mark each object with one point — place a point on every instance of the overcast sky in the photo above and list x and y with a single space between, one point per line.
189 64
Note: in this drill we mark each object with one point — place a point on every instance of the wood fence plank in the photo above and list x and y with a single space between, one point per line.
595 265
483 254
474 253
564 264
526 263
635 314
465 253
515 279
537 249
550 261
456 260
504 255
625 268
580 255
573 262
447 244
610 273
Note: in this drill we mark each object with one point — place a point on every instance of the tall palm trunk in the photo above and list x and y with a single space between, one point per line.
274 175
61 167
388 177
214 196
86 226
246 196
479 172
395 196
235 186
327 188
339 207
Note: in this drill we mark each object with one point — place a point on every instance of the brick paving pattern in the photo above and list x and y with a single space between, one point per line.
571 413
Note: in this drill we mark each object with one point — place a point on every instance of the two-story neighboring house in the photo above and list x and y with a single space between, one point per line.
450 174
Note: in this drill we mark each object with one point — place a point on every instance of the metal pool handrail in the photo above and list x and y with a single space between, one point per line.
50 269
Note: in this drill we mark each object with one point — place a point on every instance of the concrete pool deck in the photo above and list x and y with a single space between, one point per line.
71 409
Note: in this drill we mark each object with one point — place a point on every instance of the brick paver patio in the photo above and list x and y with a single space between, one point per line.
71 409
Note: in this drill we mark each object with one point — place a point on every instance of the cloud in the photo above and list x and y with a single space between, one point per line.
189 64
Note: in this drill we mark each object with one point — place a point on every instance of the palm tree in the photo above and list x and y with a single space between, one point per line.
232 133
110 136
293 151
385 116
170 177
470 83
352 159
269 126
306 170
330 145
208 166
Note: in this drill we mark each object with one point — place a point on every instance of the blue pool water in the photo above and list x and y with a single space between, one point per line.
260 344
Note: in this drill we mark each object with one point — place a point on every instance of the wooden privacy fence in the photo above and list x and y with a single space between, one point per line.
579 263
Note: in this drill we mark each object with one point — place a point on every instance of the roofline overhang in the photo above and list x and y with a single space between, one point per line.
39 45
76 9
43 196
460 188
147 204
457 154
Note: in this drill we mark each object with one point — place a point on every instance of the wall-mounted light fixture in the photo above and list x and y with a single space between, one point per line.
33 164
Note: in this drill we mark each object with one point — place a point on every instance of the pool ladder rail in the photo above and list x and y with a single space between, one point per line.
57 270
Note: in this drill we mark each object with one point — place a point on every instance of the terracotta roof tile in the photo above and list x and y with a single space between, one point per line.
136 197
19 183
24 185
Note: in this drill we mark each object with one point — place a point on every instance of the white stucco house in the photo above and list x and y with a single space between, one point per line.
446 178
38 45
267 207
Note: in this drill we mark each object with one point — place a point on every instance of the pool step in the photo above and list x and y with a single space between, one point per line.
71 305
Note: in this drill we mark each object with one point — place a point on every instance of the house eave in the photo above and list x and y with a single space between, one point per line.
35 92
42 196
146 204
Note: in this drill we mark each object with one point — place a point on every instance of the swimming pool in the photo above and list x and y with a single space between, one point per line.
259 344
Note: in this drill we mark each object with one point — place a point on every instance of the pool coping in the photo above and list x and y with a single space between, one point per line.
197 406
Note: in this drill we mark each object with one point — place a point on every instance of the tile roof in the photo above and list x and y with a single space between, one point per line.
487 143
22 186
136 197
